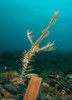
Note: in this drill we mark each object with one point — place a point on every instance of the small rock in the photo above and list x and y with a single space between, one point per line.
4 93
7 76
67 87
10 88
70 76
45 84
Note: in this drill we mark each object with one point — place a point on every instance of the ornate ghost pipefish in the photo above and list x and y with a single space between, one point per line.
35 46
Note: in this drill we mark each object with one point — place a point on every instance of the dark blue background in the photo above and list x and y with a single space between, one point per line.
16 16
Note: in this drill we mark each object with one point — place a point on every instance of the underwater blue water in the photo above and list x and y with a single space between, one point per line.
16 16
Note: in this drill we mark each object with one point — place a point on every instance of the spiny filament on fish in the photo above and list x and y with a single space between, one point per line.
35 46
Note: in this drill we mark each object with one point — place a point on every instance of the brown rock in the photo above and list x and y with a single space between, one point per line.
7 76
4 93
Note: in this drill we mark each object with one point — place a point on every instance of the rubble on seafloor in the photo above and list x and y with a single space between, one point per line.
56 83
